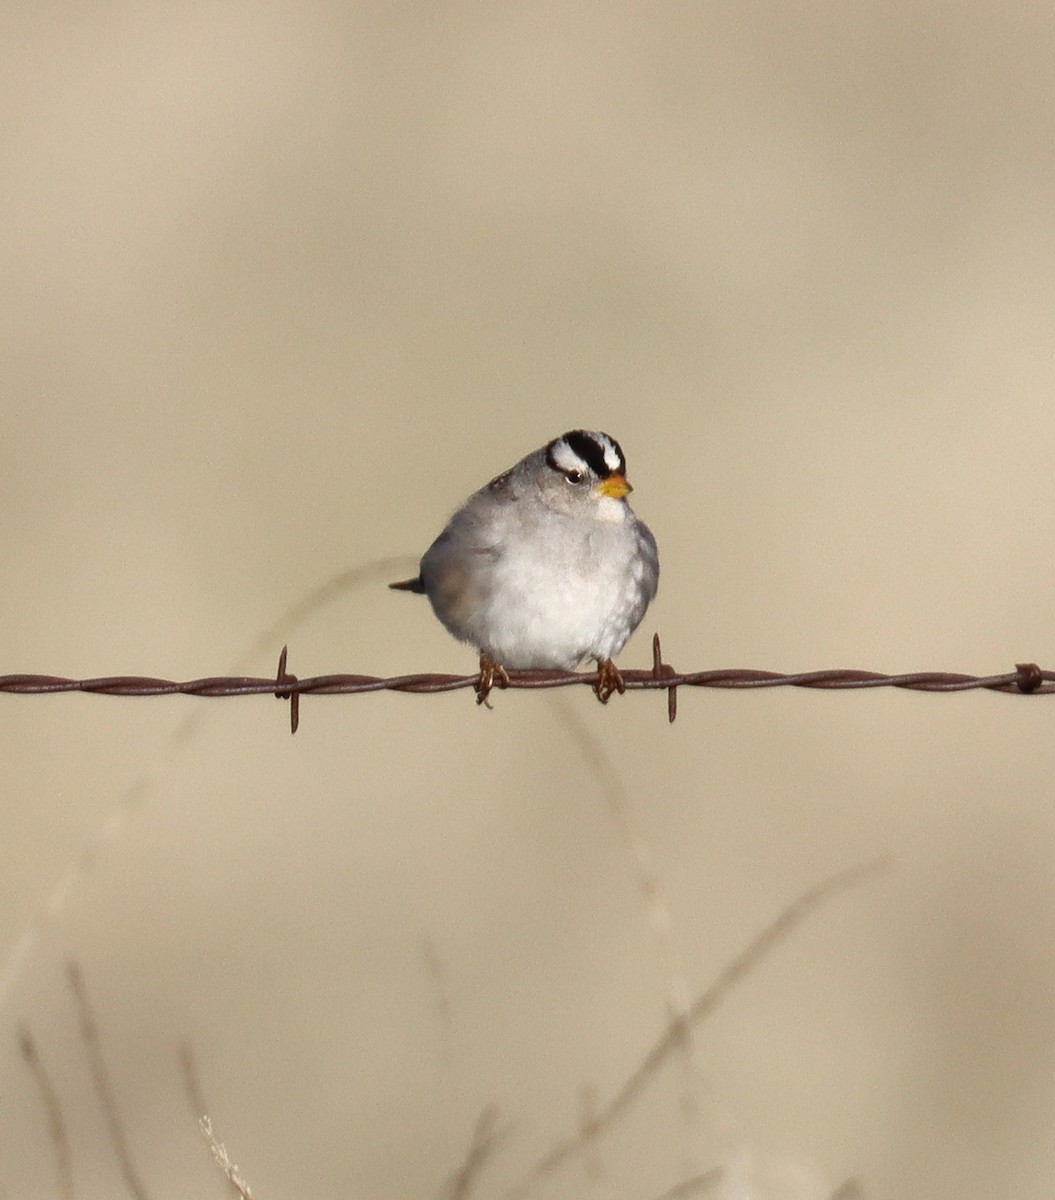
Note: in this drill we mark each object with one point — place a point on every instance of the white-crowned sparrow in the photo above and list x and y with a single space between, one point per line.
547 565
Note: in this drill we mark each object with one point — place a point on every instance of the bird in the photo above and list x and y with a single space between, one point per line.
546 566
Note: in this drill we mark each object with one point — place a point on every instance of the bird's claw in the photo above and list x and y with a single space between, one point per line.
608 681
491 675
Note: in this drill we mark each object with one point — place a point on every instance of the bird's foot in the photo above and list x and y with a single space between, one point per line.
492 674
608 680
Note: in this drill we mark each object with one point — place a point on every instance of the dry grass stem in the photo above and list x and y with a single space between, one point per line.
192 1081
654 897
704 1004
693 1186
56 1123
103 1086
231 1170
484 1139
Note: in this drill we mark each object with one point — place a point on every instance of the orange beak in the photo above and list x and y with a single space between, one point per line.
615 486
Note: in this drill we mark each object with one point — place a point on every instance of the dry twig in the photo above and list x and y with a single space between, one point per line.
103 1086
56 1123
702 1007
481 1147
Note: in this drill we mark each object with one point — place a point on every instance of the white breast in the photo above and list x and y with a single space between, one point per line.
554 600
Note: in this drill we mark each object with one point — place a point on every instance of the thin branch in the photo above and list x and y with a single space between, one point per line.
56 1123
103 1085
481 1147
702 1007
192 1081
704 1182
654 898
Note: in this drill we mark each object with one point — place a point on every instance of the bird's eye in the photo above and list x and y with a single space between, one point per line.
574 476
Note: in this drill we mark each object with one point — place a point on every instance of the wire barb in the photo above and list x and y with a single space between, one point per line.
1028 679
282 678
660 670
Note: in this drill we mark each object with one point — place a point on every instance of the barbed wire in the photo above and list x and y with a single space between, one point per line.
1027 679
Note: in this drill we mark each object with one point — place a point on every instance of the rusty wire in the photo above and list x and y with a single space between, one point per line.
1026 679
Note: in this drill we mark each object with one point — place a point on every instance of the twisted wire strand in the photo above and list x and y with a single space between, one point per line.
1026 679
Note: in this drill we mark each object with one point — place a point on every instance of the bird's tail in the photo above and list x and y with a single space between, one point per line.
409 585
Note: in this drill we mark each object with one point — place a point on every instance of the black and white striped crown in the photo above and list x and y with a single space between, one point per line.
579 451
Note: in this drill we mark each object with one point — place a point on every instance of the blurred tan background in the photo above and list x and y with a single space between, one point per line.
282 283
